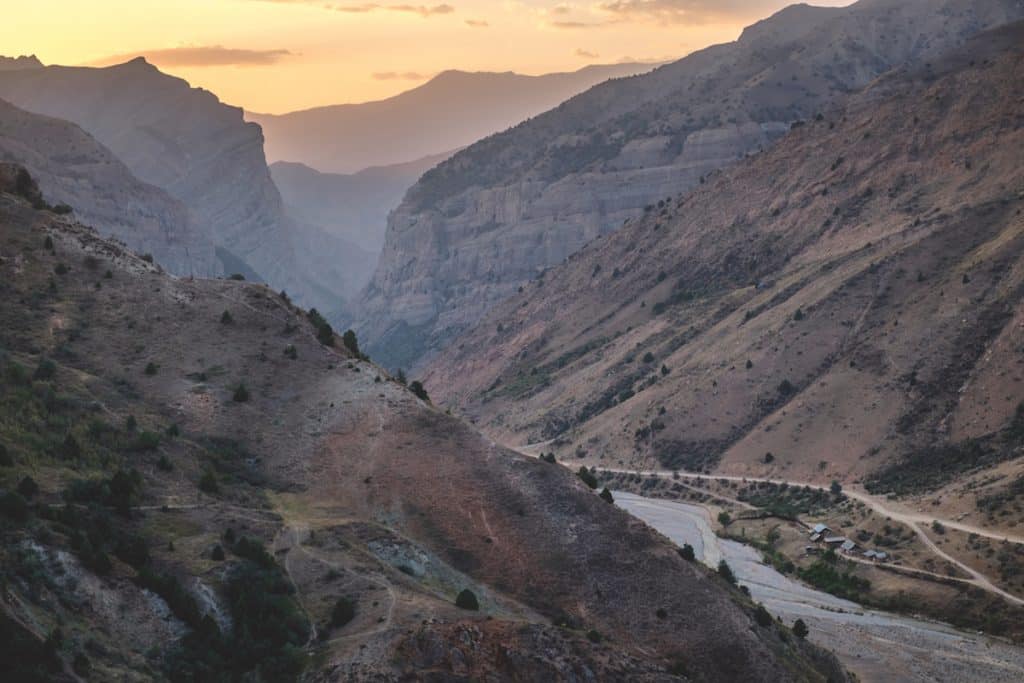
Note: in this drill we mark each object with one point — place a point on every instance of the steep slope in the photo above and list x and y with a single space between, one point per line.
849 301
456 107
353 206
186 142
73 169
195 487
489 219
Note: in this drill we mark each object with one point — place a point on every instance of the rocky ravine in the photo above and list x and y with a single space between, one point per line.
477 227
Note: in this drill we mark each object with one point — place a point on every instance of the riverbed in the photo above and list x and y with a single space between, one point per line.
877 646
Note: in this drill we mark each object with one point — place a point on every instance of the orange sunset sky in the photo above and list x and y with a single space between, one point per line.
281 55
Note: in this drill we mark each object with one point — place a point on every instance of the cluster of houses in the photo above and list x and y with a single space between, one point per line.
821 534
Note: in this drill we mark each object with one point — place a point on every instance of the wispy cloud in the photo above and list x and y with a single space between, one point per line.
586 54
476 23
422 10
399 76
686 11
201 55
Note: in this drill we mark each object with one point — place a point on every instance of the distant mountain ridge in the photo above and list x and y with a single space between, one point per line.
197 149
453 109
480 225
354 206
72 168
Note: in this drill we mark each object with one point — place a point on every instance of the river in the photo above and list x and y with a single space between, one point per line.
877 646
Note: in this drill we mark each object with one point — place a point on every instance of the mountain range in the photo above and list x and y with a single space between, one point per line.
482 224
451 110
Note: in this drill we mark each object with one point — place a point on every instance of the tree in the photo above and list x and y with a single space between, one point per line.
686 552
768 458
421 392
218 553
467 600
606 495
151 368
226 318
351 343
587 476
725 571
800 629
836 488
343 612
208 482
762 617
400 377
724 518
241 394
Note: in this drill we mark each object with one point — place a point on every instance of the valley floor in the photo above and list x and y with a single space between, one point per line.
877 646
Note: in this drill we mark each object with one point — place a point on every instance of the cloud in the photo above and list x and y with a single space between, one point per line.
422 10
686 11
576 24
399 76
202 55
580 52
476 23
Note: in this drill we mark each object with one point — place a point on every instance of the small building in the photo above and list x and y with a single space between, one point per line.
848 546
881 556
810 550
870 554
835 540
819 529
815 538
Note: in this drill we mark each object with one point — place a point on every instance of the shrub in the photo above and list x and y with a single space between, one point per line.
799 315
768 458
762 617
786 387
344 611
151 368
800 629
218 553
14 506
400 377
226 318
61 269
421 393
324 331
208 482
665 370
173 431
241 393
661 613
48 243
724 518
750 364
606 495
28 487
148 258
725 571
130 423
594 636
467 600
237 276
588 477
648 357
46 369
835 487
109 275
350 342
164 464
291 352
5 458
686 552
145 441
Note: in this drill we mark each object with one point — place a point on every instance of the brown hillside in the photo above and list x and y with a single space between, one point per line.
155 414
850 301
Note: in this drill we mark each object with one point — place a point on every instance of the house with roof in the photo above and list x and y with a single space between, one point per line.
834 540
848 546
819 529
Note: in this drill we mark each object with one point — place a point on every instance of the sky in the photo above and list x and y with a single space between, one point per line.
274 56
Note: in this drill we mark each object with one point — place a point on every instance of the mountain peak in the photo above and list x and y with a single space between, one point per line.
21 62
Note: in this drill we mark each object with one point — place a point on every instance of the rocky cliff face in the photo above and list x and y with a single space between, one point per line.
849 302
186 142
72 168
478 226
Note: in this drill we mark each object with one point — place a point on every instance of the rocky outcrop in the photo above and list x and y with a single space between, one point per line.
186 142
477 227
72 168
